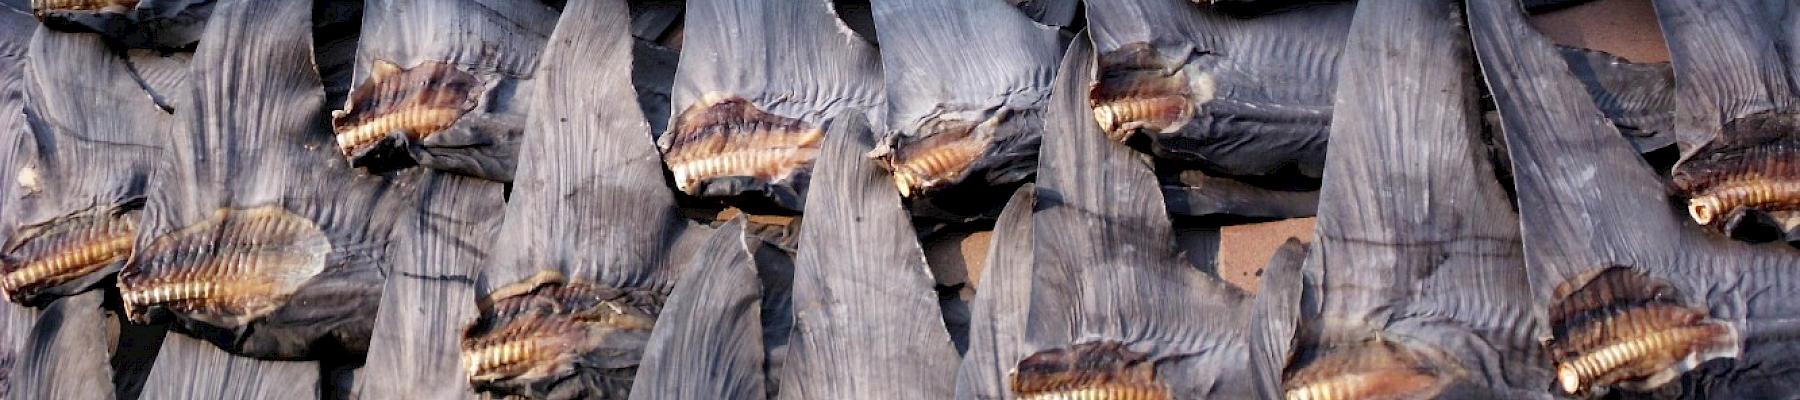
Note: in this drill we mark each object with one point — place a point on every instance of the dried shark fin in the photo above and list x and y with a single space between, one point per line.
65 356
1421 287
1572 176
1194 193
708 342
848 340
430 292
1002 301
299 266
1639 98
747 116
188 368
152 24
95 136
967 82
590 208
446 86
1236 95
1283 295
1737 112
1120 277
554 337
590 199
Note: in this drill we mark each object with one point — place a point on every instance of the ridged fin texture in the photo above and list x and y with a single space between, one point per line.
791 58
590 198
187 368
707 344
1002 301
65 356
1588 202
1732 58
866 318
1120 277
1639 98
429 295
1406 250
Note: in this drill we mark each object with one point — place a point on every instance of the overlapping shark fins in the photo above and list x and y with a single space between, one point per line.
1418 283
189 368
1630 295
966 86
1240 96
94 135
158 24
1639 98
758 82
708 343
850 339
1002 301
592 241
1116 310
1276 317
1737 116
430 291
443 84
256 236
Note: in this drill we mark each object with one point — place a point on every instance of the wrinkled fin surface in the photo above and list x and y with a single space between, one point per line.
1278 314
1119 277
1002 300
430 290
1728 55
1574 175
707 344
589 198
188 368
65 357
1639 98
849 340
792 58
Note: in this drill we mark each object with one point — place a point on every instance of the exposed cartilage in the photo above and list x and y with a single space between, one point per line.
40 7
540 327
1096 370
1751 166
227 270
1621 326
65 249
724 136
947 152
418 101
1374 369
1137 90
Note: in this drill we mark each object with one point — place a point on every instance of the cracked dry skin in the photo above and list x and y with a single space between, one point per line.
41 7
48 254
726 136
1373 369
417 102
535 334
228 270
1104 370
1137 91
942 156
1622 327
1752 166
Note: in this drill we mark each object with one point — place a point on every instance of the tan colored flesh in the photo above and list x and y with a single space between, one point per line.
229 269
1138 90
1371 370
1097 370
417 122
1121 117
1634 357
725 136
419 102
94 243
539 326
107 6
1759 194
934 166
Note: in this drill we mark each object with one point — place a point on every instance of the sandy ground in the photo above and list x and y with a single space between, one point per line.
1626 28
